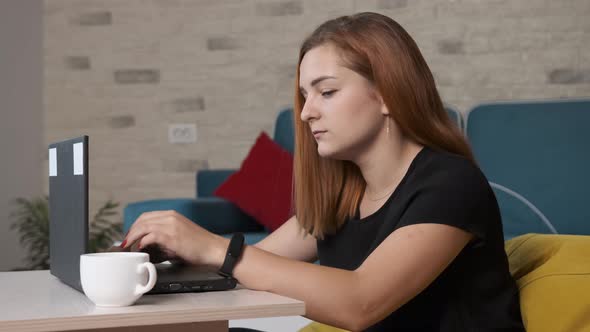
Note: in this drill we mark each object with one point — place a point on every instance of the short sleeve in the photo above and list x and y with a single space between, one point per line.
458 196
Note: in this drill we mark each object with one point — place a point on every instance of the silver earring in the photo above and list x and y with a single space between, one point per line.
387 127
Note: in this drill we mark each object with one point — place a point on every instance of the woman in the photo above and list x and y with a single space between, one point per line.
387 196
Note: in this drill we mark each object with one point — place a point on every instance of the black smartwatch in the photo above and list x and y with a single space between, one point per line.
234 251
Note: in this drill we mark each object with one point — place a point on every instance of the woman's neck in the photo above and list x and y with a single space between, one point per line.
384 168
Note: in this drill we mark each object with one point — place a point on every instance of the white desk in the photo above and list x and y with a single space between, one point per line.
37 301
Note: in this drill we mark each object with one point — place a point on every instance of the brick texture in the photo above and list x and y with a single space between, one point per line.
77 62
93 18
133 67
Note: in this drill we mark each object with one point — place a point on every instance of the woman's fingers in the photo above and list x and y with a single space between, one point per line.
150 239
158 254
169 232
154 215
140 229
149 244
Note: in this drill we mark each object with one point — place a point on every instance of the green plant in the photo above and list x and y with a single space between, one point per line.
31 221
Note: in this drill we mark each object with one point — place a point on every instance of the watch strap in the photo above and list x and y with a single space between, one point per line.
234 251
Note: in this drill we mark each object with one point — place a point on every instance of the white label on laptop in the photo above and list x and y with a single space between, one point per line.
78 159
53 162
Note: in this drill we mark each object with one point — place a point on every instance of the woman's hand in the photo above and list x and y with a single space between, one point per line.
177 237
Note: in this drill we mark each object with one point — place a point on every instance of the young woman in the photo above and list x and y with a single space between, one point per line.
387 196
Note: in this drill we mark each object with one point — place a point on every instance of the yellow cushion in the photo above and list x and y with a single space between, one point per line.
553 276
319 327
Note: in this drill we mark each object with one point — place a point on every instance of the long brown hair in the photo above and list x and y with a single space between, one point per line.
328 191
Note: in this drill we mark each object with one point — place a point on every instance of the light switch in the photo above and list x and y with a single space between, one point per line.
182 133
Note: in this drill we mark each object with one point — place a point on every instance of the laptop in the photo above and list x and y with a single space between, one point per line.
69 227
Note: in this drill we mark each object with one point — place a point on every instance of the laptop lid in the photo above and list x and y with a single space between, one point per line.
69 226
68 208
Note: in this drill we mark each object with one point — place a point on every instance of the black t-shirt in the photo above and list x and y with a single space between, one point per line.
476 291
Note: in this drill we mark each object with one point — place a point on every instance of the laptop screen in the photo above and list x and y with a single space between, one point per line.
68 208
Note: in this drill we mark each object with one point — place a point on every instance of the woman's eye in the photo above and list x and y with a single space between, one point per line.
328 93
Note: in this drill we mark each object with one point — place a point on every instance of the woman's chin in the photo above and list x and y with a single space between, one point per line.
328 153
324 152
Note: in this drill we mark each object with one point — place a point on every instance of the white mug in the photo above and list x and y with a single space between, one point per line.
116 279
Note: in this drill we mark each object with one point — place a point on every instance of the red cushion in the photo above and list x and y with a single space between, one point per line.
262 186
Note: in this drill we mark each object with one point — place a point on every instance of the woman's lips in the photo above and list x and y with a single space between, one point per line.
318 133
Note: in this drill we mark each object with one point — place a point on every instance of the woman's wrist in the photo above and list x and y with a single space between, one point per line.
218 251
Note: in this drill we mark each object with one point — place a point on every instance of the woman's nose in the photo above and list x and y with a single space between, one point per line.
309 112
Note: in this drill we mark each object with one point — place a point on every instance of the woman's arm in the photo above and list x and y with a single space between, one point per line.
405 263
400 268
290 241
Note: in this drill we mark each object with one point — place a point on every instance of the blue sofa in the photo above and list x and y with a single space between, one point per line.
537 159
216 214
213 213
525 149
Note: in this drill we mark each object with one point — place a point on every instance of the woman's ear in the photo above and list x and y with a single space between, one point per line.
377 95
384 109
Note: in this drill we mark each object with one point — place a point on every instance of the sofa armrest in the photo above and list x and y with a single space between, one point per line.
214 214
210 179
552 274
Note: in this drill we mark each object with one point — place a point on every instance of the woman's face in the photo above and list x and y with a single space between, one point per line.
343 109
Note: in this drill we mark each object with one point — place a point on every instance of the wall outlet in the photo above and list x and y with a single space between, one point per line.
182 133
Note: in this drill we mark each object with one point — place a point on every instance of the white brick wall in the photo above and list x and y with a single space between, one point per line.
228 66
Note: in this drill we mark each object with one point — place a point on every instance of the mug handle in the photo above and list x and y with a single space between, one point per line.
152 276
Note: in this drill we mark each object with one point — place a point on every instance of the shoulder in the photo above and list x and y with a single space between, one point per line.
441 168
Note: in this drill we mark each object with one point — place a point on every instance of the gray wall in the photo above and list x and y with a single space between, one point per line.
21 114
124 71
